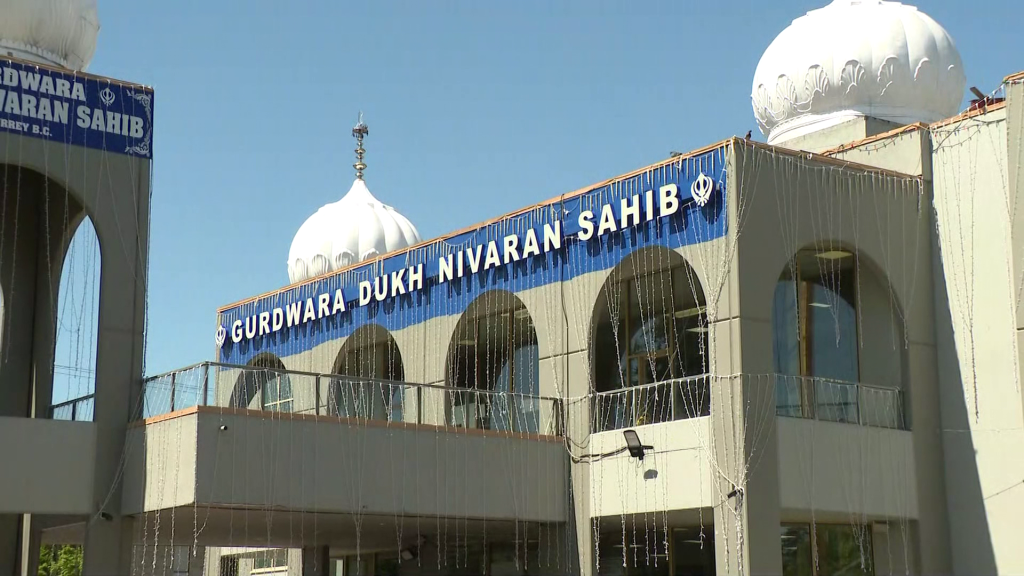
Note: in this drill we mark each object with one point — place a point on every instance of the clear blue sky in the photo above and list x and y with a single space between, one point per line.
475 108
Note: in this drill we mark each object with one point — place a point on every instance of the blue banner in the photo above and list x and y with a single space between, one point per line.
681 203
75 108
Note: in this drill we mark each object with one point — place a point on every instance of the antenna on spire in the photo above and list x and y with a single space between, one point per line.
359 132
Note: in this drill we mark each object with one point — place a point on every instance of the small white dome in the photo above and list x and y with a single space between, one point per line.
357 227
57 32
857 58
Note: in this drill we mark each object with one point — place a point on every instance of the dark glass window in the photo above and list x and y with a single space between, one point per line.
494 367
815 336
842 550
650 345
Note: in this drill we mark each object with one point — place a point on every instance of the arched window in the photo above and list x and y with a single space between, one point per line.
494 366
650 348
834 323
373 386
78 302
265 382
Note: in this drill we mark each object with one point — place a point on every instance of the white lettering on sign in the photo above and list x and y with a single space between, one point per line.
511 248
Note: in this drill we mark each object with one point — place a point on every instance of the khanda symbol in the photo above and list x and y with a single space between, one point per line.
107 96
222 334
701 189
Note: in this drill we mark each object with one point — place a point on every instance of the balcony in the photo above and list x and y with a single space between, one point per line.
835 401
796 397
234 437
668 401
364 399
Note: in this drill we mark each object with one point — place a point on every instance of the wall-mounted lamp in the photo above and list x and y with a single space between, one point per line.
633 444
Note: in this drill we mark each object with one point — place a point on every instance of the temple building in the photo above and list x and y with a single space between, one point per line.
798 357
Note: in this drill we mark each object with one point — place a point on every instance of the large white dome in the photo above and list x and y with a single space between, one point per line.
58 32
857 58
355 228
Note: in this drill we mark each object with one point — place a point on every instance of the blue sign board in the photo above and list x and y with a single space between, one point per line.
74 108
680 203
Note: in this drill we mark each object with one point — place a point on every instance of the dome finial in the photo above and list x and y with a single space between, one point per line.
359 132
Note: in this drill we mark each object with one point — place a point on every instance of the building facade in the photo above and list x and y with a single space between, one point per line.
801 357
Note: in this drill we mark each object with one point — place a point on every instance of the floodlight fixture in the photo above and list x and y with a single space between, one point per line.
633 444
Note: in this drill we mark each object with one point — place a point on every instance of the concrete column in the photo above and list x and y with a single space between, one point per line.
118 375
18 239
108 546
10 543
52 247
197 563
747 516
316 561
32 541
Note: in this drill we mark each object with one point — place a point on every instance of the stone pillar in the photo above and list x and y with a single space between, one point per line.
316 561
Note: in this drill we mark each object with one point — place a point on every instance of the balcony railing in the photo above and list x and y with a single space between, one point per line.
666 401
796 396
77 410
290 391
835 401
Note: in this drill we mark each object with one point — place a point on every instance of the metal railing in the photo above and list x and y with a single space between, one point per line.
296 392
275 390
837 401
667 401
77 410
796 396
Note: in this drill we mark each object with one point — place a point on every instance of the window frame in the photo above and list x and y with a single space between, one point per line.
805 333
815 554
278 404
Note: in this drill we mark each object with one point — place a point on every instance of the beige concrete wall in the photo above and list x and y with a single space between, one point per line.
46 466
851 130
908 152
856 472
978 355
675 475
160 470
343 468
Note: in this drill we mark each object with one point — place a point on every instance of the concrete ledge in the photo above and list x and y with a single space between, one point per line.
46 466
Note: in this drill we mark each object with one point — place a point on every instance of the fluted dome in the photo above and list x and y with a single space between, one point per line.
57 32
355 228
857 58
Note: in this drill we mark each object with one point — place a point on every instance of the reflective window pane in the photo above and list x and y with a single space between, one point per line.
796 550
844 550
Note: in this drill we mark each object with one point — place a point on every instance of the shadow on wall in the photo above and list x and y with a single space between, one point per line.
968 522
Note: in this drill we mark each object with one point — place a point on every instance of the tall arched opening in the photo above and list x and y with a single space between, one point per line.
264 385
493 366
838 340
369 376
77 327
649 345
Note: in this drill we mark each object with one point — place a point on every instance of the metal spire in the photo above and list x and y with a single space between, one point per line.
359 132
